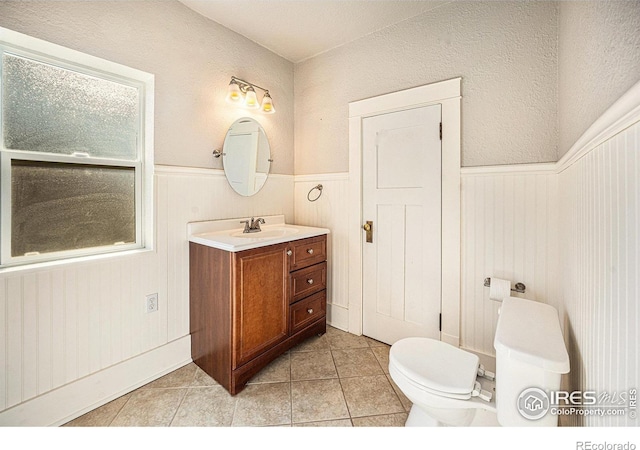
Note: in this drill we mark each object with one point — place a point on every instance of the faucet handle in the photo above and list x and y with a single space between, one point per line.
256 225
246 226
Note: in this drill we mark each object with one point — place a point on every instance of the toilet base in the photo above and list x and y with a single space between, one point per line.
448 417
419 418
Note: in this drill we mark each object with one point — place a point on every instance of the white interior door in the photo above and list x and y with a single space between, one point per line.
401 177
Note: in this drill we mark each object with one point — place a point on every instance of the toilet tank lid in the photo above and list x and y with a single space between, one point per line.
530 332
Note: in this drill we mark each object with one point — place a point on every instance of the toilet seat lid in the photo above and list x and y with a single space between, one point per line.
436 365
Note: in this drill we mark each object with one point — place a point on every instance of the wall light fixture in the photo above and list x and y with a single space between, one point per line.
242 92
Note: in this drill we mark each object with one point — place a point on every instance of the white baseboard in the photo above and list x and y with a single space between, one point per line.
338 317
79 397
450 339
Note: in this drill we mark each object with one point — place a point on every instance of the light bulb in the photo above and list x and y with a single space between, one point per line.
250 99
267 104
234 95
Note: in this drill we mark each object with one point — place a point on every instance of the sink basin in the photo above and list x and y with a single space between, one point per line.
227 235
268 233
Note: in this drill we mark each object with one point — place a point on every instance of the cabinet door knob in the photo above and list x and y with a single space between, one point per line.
310 251
310 310
289 253
310 281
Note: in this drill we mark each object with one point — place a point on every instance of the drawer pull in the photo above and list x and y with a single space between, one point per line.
310 251
310 310
310 281
289 253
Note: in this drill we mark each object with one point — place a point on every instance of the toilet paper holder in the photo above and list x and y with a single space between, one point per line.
520 287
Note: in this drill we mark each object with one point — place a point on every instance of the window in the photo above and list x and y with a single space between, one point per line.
76 160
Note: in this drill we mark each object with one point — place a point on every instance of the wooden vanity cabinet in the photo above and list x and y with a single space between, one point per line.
249 307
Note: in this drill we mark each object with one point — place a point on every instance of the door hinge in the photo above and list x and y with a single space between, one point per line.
440 323
440 130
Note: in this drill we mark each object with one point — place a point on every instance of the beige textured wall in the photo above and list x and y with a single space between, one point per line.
193 59
505 52
598 61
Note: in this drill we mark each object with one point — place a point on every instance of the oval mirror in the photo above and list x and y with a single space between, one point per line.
246 156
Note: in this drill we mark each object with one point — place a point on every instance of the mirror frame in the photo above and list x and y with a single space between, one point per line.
238 156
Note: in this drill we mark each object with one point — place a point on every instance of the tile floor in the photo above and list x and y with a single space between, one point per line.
337 380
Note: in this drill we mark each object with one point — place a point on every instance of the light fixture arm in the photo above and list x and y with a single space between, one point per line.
243 92
243 85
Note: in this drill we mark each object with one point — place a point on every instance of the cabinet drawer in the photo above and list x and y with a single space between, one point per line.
307 311
306 281
307 252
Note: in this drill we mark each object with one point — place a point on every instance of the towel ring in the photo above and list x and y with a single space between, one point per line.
319 188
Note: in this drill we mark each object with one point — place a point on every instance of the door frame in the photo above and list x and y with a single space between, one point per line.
447 94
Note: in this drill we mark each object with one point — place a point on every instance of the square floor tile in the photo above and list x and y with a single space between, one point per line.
326 423
369 396
406 403
278 371
356 362
205 407
202 378
312 366
382 355
149 408
313 344
317 400
182 377
342 339
337 379
263 404
373 343
102 416
389 420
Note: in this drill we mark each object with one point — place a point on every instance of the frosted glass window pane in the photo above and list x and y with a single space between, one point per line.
50 109
58 207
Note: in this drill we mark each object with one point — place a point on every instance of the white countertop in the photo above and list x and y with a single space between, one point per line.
228 234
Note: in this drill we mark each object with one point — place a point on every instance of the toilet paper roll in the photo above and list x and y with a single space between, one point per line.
499 289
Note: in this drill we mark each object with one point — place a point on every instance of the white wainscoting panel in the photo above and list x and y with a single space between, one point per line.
330 211
65 323
599 285
194 195
572 235
507 232
570 232
61 323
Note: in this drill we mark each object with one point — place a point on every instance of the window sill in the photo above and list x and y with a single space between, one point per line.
63 263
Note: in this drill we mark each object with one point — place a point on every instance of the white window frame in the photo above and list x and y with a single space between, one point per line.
21 45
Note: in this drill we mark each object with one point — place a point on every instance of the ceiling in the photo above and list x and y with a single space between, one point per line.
300 29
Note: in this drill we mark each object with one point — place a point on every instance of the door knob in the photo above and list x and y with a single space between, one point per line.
368 227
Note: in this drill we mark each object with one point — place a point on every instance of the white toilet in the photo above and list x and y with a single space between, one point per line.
443 384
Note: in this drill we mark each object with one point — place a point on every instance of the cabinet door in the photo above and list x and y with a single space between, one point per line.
261 305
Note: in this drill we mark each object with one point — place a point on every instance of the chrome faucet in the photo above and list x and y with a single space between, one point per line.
252 226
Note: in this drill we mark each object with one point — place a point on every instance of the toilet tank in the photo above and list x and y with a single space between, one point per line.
530 359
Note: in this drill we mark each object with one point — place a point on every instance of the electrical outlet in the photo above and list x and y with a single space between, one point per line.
152 303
